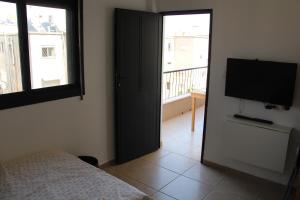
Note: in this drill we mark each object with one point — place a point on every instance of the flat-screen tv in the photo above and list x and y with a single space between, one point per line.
265 81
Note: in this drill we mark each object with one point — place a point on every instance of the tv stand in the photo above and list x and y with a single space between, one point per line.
238 116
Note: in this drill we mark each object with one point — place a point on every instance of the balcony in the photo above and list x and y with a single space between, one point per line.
177 88
177 136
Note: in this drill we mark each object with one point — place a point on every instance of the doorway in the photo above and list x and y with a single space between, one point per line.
185 71
140 82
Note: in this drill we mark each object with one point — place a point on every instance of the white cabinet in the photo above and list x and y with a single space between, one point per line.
256 144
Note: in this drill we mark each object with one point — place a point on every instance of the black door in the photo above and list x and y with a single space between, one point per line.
137 82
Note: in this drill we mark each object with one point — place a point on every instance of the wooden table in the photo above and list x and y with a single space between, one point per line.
195 95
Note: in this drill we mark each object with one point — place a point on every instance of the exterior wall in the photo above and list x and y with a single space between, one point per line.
266 30
10 69
182 52
48 68
179 107
190 51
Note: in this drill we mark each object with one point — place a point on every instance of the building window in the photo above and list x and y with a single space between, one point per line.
1 47
169 47
48 52
32 31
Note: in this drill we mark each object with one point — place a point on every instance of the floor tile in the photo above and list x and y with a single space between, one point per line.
156 155
176 163
178 138
180 154
151 175
205 174
142 187
194 153
174 171
161 196
271 191
124 168
184 188
224 196
240 185
176 147
191 139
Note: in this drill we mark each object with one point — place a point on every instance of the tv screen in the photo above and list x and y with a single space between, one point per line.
266 81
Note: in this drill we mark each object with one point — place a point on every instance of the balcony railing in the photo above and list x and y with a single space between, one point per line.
182 82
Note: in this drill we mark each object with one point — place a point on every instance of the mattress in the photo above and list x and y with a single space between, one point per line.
56 175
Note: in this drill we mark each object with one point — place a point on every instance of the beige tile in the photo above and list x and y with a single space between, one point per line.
194 153
161 196
205 174
191 139
156 155
177 147
184 188
183 122
224 196
240 185
271 191
176 163
150 174
146 172
123 168
110 171
142 187
177 136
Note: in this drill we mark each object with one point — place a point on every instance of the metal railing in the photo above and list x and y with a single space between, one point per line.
181 82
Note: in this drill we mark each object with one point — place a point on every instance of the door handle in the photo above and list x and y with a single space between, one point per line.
118 79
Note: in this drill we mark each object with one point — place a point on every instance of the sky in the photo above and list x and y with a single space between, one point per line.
35 13
8 11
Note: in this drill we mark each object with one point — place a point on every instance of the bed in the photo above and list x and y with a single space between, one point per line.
57 175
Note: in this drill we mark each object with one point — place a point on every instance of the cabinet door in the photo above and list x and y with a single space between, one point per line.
256 146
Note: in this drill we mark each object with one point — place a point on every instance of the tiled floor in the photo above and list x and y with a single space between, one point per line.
174 171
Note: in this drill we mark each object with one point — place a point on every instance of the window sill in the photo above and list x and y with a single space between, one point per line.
38 96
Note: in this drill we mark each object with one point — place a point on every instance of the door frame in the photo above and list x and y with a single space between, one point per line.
189 12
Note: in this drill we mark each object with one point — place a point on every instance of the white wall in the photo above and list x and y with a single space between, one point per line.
80 127
267 30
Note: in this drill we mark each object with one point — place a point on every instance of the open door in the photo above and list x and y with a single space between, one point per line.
137 83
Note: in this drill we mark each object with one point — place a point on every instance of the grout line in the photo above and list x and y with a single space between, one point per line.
168 195
212 185
134 179
178 176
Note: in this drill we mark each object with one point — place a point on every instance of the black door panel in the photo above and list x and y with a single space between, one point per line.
138 87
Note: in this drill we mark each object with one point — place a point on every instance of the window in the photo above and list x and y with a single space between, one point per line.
169 47
1 47
41 52
48 52
10 68
50 83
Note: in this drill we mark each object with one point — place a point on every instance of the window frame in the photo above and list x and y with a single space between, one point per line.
74 55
